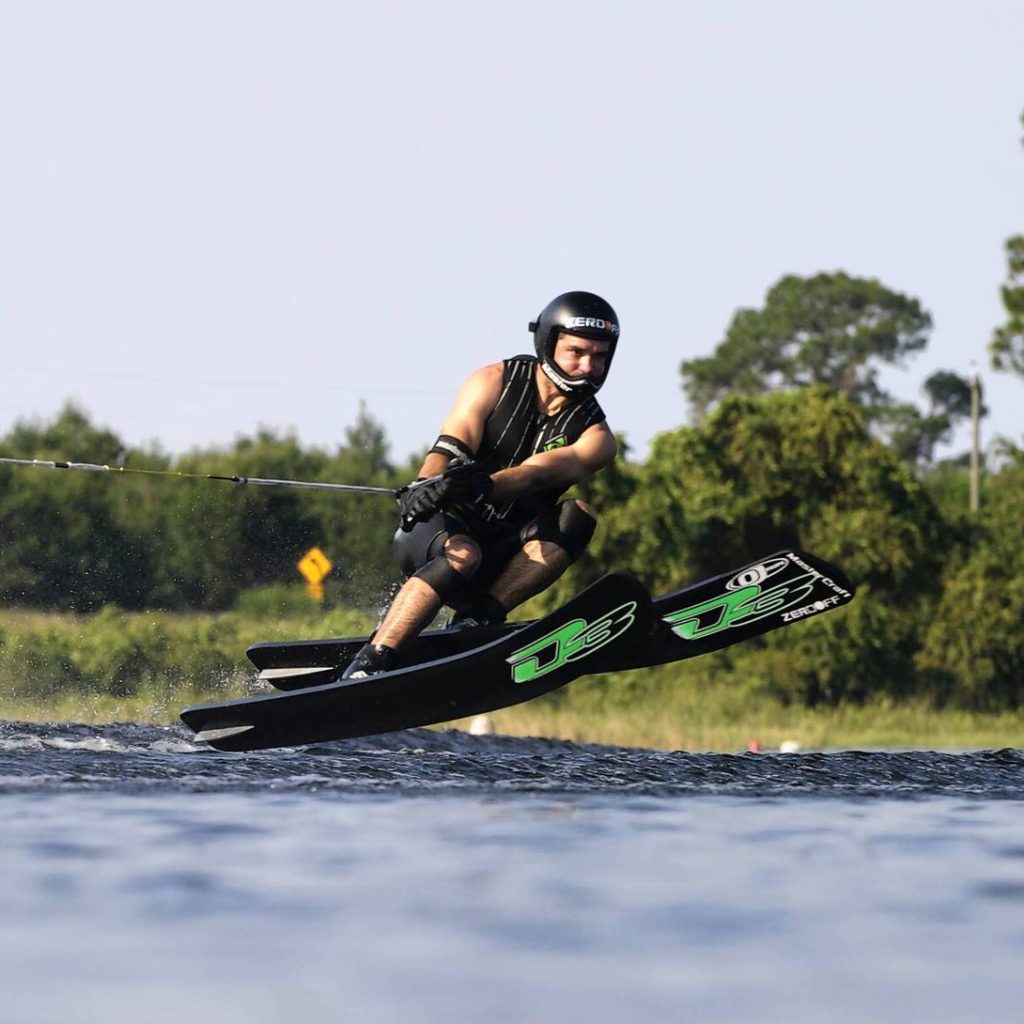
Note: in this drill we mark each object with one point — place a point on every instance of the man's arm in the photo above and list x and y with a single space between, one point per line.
559 468
474 403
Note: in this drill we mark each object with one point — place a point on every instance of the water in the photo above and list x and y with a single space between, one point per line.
442 877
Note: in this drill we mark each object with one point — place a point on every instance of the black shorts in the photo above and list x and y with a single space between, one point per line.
498 541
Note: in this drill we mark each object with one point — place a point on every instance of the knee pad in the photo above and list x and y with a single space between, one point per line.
420 552
566 525
424 542
452 586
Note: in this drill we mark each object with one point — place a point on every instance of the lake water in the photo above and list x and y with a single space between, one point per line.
442 877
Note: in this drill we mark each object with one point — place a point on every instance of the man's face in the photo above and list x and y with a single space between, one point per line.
581 357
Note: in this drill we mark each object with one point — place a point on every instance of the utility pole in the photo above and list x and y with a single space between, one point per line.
975 439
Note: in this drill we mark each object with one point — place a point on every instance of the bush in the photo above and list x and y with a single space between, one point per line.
37 665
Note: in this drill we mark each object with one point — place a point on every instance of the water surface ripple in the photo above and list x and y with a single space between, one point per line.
126 757
439 877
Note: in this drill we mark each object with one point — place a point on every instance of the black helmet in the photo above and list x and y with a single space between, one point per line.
580 313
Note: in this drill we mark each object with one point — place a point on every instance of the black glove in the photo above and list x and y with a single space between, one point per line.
461 482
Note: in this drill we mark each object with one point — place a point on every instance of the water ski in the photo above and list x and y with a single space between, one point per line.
700 618
611 614
612 625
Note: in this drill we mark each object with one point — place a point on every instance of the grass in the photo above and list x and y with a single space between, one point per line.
711 728
158 708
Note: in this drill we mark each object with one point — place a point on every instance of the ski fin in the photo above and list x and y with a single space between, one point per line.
271 674
211 735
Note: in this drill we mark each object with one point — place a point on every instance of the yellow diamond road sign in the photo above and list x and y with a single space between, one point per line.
314 566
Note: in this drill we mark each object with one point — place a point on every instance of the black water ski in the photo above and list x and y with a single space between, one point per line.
603 622
784 587
299 664
788 586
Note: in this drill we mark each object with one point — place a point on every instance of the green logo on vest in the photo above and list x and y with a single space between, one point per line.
559 442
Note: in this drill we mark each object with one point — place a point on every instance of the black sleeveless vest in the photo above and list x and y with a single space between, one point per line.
516 429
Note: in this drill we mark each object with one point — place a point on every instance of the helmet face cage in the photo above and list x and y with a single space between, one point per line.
585 315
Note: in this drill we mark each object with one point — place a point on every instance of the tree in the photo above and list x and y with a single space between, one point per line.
366 445
766 472
63 543
790 469
915 434
70 436
973 650
213 540
830 329
356 530
835 330
1007 345
80 540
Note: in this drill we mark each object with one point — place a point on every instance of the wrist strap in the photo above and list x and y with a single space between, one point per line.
452 447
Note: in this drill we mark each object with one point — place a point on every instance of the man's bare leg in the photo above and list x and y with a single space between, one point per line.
417 602
528 572
413 607
533 569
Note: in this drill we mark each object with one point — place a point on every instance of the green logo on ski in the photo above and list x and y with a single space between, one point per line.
738 607
575 640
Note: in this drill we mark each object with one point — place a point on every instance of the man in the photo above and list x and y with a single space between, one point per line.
492 532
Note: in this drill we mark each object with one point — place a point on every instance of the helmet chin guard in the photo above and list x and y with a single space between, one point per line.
585 315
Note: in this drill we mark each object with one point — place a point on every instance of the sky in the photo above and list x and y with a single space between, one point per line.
221 216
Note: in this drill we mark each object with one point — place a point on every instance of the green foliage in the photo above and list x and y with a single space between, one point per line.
1007 345
973 650
77 541
221 539
273 600
829 329
791 468
788 469
71 436
838 331
40 668
119 654
864 651
914 434
170 657
948 485
949 393
356 532
63 545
